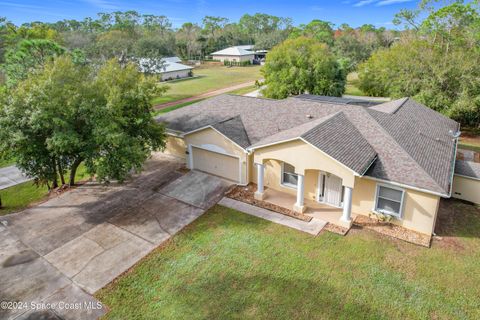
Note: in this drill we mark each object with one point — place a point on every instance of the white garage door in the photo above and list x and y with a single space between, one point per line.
216 163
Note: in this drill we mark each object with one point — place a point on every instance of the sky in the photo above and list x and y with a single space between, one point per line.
354 12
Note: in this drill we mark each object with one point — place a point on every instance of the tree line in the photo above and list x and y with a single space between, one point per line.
436 61
124 35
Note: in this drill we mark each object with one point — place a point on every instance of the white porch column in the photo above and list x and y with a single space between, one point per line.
190 157
347 205
260 193
299 207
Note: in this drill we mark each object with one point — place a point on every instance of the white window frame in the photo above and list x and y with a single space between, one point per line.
398 215
286 184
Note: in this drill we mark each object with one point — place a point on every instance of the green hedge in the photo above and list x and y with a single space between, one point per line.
237 63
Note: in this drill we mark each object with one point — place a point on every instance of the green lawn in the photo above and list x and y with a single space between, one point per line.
468 146
229 265
243 91
175 107
352 85
22 195
209 79
6 162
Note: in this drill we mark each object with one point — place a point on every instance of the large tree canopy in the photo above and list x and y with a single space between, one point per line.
302 65
66 114
27 56
438 63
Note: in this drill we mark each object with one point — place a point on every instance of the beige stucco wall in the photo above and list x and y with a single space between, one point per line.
175 75
466 189
234 58
305 157
210 139
272 179
176 146
419 208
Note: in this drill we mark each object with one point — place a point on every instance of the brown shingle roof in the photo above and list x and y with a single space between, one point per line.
234 130
339 138
468 169
414 145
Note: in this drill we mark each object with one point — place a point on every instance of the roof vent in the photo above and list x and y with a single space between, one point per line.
309 116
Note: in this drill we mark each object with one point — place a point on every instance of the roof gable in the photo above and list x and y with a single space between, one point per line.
424 135
339 138
234 130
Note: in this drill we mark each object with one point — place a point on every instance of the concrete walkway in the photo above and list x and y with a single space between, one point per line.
313 227
205 95
11 176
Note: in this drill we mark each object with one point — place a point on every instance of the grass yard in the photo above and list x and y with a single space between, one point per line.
352 85
243 91
175 107
209 78
22 195
470 139
6 162
229 265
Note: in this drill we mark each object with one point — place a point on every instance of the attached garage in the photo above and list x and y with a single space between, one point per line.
216 163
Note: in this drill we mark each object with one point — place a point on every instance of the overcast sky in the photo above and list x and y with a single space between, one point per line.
353 12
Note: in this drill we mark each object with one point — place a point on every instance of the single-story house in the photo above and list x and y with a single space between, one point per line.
239 54
345 156
169 68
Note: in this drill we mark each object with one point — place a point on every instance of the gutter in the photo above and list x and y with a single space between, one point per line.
453 167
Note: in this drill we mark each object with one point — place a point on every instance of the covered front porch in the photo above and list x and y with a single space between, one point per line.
313 208
315 192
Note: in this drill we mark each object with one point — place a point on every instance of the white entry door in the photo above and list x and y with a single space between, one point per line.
330 189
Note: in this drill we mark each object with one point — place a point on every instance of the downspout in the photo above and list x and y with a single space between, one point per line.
453 167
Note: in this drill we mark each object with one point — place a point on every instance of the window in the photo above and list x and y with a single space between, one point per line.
289 177
389 200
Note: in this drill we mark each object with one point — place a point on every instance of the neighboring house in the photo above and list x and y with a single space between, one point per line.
173 59
169 68
354 157
239 54
466 182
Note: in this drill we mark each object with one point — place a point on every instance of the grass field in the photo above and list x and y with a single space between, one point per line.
229 265
209 78
22 195
352 85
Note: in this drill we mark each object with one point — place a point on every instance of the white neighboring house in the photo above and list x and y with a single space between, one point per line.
173 59
235 54
169 68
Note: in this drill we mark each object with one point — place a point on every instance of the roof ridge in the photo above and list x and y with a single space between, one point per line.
404 151
324 119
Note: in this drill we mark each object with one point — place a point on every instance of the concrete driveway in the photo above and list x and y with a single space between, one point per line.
67 248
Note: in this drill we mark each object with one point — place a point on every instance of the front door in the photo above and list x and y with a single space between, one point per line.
330 189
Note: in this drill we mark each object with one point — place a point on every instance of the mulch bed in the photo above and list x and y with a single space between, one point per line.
246 194
336 229
392 230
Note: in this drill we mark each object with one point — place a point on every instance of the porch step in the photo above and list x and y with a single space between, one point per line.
313 227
